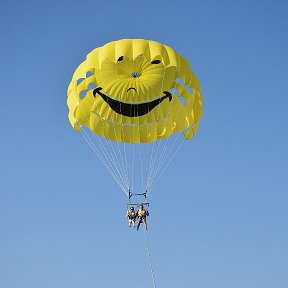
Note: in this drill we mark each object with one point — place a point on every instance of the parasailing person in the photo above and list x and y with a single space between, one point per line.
141 215
131 216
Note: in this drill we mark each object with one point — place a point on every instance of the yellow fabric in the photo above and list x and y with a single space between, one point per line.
132 214
141 213
104 68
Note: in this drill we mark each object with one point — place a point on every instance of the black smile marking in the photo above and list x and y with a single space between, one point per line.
131 89
131 110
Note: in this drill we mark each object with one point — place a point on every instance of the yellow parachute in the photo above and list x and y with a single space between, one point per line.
135 91
129 93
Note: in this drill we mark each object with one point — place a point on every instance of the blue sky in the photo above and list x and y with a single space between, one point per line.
218 215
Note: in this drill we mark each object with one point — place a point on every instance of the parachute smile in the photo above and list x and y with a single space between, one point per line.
128 109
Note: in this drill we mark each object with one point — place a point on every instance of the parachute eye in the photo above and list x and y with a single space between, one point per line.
120 58
156 62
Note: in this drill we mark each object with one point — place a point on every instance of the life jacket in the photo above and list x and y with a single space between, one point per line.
132 214
142 213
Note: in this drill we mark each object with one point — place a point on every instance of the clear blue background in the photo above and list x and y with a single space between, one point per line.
218 215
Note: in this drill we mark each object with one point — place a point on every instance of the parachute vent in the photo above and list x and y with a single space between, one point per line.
135 74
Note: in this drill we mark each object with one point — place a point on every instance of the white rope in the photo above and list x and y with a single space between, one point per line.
149 259
142 173
126 162
91 144
154 181
108 156
132 166
165 157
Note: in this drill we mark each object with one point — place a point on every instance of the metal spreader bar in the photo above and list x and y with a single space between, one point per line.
139 194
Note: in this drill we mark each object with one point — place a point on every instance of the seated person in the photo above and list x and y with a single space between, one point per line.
141 215
131 216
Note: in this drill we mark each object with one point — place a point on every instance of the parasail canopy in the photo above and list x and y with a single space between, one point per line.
134 91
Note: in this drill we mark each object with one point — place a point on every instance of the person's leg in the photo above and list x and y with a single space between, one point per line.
139 221
145 224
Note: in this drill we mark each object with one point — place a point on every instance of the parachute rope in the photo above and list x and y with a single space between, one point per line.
108 159
149 258
141 167
166 166
164 161
109 168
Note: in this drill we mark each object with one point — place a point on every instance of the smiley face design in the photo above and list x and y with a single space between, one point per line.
135 91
